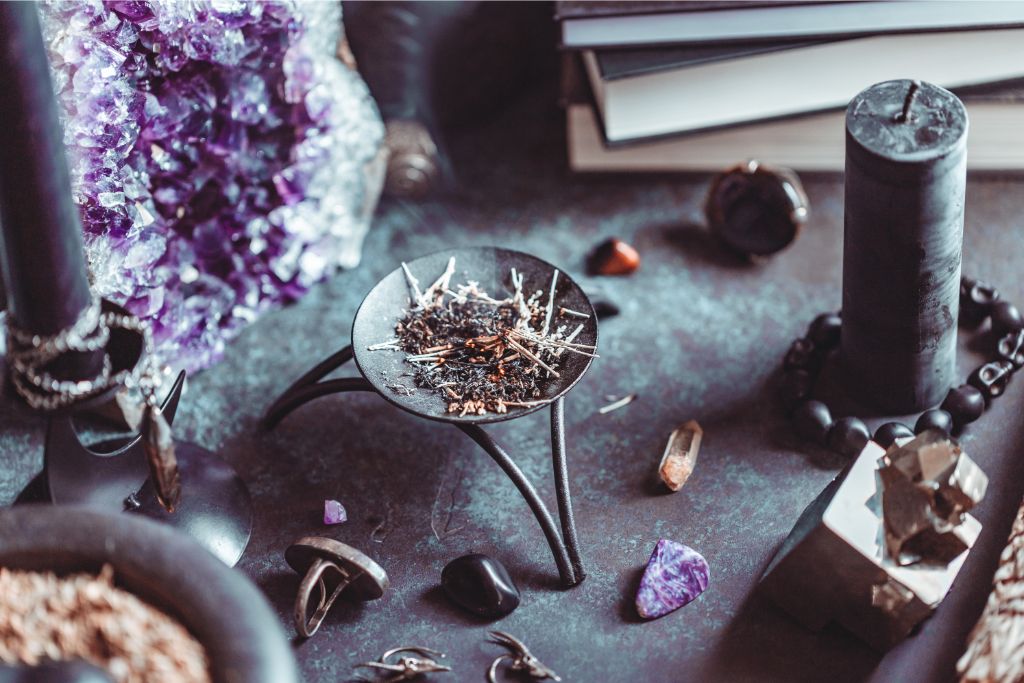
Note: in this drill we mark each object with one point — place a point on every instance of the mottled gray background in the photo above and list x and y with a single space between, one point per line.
700 336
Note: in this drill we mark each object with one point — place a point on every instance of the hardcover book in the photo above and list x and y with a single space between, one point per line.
619 24
711 89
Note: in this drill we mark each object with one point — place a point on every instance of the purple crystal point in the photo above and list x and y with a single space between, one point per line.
334 512
676 574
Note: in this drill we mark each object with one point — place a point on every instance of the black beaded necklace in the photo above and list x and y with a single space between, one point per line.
847 436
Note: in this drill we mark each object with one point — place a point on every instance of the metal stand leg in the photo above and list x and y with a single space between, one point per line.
562 487
300 396
564 546
287 402
540 511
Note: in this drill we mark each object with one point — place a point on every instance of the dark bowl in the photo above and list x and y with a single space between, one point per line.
220 606
388 302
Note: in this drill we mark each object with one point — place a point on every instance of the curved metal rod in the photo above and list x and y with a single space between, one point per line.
540 511
319 371
298 396
562 488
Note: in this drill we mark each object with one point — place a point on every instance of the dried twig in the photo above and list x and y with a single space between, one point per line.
551 305
615 405
414 285
575 314
571 338
441 283
529 354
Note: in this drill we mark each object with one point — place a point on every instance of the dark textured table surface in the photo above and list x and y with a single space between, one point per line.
700 337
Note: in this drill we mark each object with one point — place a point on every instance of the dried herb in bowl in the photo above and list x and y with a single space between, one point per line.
484 354
83 616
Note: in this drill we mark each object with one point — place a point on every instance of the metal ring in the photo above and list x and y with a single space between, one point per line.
315 578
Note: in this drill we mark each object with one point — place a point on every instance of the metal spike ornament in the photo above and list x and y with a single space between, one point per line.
158 445
157 439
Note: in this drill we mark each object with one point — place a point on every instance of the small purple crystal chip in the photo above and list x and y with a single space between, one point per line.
334 512
676 574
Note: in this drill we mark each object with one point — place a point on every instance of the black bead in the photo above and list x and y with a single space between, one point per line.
1005 318
887 434
1011 348
812 421
965 404
991 378
936 418
801 356
825 331
796 387
848 436
480 584
976 299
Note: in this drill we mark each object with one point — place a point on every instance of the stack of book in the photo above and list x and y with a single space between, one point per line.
698 85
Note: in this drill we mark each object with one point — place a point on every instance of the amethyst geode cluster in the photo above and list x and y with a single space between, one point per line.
223 158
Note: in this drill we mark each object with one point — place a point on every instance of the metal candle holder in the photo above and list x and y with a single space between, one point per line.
385 371
215 508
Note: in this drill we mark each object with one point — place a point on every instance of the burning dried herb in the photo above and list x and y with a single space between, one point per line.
480 353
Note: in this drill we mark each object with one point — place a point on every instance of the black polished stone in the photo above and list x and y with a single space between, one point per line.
936 418
481 585
848 436
825 330
965 404
812 420
887 434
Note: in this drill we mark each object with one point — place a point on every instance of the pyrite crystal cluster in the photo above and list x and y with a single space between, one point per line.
222 157
928 484
879 548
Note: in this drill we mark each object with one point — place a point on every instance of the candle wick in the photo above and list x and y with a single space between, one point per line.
904 116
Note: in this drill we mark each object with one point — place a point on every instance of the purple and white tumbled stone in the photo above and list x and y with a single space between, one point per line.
676 574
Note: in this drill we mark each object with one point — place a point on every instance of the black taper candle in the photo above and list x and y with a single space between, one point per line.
41 246
906 175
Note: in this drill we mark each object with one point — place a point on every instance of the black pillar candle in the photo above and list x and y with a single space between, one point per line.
906 175
43 260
